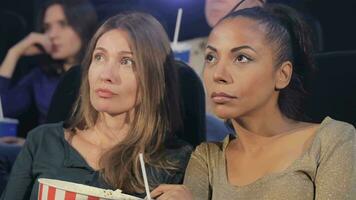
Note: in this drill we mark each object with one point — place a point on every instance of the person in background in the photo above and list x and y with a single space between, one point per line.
62 36
64 29
128 104
216 10
255 79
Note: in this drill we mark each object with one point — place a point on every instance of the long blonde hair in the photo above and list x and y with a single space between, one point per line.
158 114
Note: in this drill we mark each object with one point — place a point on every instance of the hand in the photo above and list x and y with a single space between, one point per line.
171 192
32 44
12 140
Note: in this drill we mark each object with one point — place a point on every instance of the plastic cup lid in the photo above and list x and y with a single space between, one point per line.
181 46
9 120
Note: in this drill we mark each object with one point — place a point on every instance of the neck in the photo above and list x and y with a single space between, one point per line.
111 130
257 129
68 64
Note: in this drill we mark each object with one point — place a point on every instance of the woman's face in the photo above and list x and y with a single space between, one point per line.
239 72
217 9
66 43
112 77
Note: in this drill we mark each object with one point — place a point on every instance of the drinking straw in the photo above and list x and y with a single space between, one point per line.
143 168
1 112
178 21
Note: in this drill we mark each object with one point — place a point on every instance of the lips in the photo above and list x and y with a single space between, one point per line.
221 97
55 48
104 93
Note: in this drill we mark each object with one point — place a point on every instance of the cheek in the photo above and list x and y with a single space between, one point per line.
72 39
252 83
132 89
127 82
257 87
92 82
91 75
208 79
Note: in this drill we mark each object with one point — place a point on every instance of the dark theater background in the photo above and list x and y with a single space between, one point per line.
336 17
332 91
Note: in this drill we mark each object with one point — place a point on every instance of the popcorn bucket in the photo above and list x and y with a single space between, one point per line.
51 189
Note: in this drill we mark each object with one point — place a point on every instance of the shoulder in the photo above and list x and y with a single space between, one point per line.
36 72
211 150
334 131
72 75
45 134
334 135
34 76
180 150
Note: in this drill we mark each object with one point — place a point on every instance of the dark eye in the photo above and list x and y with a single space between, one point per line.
210 58
63 23
46 28
242 59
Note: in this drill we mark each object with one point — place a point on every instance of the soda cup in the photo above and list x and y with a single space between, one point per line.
181 51
8 127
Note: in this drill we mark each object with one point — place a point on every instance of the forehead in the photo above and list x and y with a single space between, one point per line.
229 4
116 39
53 13
221 2
238 31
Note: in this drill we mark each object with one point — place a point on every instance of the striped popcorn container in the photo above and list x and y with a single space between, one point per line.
51 189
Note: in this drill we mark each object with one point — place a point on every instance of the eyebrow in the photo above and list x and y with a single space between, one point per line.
121 52
233 49
242 47
100 48
57 21
211 48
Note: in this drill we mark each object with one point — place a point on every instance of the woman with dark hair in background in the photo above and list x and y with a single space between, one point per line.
64 29
128 103
254 77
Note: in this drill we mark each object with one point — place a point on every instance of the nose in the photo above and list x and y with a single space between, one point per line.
53 32
221 74
107 73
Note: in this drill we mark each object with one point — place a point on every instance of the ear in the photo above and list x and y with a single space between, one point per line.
283 75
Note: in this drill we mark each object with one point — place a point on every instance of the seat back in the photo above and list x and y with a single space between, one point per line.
333 87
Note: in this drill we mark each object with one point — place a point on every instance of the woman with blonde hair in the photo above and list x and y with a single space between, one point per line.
128 103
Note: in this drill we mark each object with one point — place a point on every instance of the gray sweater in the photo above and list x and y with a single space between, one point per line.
325 171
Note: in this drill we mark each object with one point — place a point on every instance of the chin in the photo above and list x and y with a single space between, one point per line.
101 106
101 109
224 116
224 112
58 56
113 111
213 19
